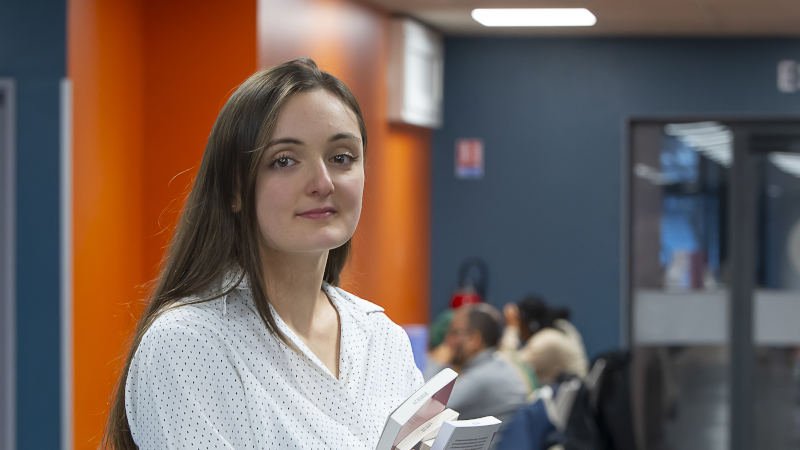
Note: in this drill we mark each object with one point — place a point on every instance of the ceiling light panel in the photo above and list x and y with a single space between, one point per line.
534 17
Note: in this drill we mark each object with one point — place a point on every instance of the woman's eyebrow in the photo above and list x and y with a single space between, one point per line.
283 141
344 136
295 141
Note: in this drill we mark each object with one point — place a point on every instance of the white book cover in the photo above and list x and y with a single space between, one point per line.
427 430
428 401
473 434
426 445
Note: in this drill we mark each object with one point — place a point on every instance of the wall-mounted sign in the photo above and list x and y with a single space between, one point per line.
789 76
469 158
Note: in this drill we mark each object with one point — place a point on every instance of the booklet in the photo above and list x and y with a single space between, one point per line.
426 431
474 434
422 406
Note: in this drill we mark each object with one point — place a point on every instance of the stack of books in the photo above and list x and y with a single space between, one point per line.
424 422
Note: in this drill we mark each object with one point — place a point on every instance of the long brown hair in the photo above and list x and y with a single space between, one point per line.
212 236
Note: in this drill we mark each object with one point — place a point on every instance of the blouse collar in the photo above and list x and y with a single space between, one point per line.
235 279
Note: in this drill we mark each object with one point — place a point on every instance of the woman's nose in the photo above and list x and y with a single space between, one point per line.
320 182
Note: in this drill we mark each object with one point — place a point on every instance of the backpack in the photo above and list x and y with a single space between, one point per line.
575 414
600 417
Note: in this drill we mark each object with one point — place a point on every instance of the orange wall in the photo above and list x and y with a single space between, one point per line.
390 264
148 80
403 235
105 66
196 53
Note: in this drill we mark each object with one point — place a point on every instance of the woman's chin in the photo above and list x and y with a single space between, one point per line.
324 245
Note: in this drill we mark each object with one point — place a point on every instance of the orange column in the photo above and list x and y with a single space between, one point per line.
195 54
105 66
403 241
148 80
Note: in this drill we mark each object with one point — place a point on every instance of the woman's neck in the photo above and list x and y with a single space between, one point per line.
293 287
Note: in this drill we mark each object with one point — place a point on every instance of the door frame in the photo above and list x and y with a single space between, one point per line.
8 262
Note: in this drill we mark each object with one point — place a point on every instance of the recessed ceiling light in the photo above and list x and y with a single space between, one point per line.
534 17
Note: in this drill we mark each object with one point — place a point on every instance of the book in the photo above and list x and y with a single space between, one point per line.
422 406
427 430
427 444
473 434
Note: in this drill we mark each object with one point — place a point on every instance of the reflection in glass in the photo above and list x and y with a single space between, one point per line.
779 222
778 303
687 178
679 209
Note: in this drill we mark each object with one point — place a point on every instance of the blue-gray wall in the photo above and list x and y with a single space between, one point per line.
33 53
547 216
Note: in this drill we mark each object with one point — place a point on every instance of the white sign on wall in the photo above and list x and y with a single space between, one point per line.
788 76
415 74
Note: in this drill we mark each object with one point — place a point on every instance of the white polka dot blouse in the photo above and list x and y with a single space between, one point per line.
210 375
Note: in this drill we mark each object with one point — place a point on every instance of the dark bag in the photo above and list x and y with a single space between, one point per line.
601 417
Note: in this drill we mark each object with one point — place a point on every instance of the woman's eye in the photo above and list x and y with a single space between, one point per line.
343 158
282 161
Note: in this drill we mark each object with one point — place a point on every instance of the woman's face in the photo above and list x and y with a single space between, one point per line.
311 176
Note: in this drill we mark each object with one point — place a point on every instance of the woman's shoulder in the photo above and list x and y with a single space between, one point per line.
181 350
188 321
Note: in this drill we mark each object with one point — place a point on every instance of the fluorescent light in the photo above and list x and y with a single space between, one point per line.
678 129
711 139
534 17
788 162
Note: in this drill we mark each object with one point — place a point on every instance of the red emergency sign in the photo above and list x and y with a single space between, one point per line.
469 158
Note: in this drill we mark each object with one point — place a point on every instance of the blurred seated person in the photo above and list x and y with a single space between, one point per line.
559 362
528 317
522 319
554 354
487 383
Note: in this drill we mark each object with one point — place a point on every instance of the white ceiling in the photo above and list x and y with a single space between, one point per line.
617 17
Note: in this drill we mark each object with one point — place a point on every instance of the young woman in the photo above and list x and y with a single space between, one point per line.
247 342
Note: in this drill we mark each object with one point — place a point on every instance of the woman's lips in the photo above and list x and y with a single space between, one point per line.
318 213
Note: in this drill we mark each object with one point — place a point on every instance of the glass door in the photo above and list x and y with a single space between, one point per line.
775 156
714 284
679 268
